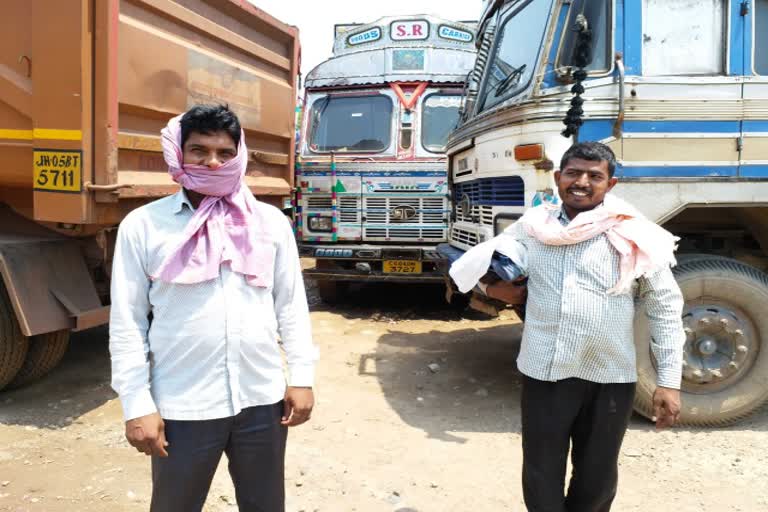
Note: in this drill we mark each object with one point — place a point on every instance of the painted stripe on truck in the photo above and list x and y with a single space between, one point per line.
41 133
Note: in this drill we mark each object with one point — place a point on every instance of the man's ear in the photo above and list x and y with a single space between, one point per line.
557 177
612 183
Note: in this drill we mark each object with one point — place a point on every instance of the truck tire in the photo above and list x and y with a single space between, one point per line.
13 344
725 367
45 353
331 292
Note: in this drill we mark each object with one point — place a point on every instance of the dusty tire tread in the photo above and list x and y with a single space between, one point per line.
45 353
643 404
13 344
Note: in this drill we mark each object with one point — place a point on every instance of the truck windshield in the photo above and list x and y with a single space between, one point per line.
517 49
440 113
351 123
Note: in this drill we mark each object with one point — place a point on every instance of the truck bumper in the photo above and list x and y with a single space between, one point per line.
366 263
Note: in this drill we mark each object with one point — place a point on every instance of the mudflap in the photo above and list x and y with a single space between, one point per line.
49 284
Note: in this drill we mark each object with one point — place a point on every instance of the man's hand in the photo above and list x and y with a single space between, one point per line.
514 293
298 405
147 434
666 407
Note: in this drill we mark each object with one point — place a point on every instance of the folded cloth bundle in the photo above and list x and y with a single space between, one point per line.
507 262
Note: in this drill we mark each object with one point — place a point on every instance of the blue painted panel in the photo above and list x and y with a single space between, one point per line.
682 127
550 79
754 171
508 191
633 37
600 129
711 171
737 41
755 126
618 30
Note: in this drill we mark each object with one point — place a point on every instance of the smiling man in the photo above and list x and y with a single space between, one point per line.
589 261
203 282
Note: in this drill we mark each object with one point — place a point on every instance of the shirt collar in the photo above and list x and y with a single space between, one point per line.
180 200
565 219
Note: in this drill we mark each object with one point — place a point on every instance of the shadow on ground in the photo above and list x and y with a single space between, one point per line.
78 385
445 383
476 386
391 301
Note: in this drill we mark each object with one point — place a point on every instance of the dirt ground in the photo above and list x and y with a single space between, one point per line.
388 434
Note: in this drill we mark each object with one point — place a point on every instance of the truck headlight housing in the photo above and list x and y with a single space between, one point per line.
503 220
323 224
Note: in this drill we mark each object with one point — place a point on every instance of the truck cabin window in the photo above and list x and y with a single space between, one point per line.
514 58
440 113
684 38
599 18
351 123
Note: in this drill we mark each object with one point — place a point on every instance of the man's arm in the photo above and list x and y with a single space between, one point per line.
292 314
128 346
664 307
514 293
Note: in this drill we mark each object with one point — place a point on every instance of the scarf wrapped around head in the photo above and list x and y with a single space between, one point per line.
225 228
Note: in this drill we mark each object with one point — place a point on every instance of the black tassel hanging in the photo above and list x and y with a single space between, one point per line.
582 56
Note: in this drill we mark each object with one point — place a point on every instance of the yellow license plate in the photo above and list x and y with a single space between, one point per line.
402 267
59 170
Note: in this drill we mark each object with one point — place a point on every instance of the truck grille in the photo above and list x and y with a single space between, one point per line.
415 234
349 210
430 210
318 203
480 213
509 191
463 236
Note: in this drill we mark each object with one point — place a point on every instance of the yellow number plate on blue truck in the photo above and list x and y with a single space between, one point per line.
402 267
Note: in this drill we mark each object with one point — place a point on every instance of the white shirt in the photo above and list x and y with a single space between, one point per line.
210 349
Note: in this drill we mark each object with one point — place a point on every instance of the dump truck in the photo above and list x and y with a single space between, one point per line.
85 88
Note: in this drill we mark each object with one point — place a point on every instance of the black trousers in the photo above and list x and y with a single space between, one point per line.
254 442
593 418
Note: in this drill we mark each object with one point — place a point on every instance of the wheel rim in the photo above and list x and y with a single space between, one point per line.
721 346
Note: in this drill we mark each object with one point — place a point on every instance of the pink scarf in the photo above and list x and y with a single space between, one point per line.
224 229
643 246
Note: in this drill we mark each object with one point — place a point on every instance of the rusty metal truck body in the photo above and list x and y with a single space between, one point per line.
85 87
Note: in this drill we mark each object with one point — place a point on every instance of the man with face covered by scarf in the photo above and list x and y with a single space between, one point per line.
204 282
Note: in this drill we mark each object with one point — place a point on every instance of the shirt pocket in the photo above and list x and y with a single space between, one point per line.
264 255
598 267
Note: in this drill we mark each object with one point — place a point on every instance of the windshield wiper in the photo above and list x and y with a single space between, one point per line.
513 78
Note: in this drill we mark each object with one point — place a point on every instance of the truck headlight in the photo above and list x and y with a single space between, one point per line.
503 220
321 224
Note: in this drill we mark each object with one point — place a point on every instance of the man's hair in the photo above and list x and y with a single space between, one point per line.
207 119
592 151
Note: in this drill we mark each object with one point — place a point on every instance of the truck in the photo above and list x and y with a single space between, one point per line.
678 90
85 87
371 178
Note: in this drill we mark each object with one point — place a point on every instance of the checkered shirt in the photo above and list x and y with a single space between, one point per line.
574 328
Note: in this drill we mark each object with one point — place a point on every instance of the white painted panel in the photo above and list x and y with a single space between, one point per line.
684 37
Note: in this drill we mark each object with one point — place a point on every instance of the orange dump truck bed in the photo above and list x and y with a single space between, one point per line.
85 87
